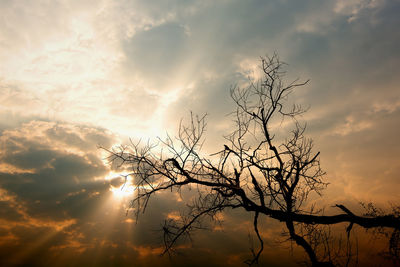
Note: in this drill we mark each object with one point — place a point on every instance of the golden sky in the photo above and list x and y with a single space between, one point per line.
76 75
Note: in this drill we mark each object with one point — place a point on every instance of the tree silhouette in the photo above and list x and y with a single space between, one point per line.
260 169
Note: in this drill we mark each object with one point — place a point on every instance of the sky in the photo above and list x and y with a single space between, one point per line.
77 75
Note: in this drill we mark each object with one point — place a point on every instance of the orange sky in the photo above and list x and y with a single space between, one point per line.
76 75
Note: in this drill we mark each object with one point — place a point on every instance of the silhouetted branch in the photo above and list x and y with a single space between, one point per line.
254 170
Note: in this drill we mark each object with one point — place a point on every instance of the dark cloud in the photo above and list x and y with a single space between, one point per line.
56 208
157 54
48 184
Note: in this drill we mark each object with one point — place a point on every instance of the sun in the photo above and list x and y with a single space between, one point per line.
121 185
126 190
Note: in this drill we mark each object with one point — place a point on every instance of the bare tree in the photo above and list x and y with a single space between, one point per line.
260 169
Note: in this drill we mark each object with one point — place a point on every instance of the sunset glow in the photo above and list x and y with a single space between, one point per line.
127 189
79 79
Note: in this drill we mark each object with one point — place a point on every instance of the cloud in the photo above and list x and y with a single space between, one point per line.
352 8
57 207
155 54
136 68
54 182
114 64
351 126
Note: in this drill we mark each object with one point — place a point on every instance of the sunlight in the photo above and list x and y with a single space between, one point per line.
121 185
156 126
123 191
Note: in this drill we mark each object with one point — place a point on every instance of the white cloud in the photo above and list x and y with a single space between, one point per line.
352 126
387 107
69 63
352 8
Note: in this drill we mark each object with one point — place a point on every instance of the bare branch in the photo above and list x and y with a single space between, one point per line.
262 168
